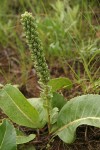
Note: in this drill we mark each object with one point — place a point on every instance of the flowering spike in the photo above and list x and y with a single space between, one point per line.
30 28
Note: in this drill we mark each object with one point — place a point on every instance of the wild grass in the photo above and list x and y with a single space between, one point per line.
68 31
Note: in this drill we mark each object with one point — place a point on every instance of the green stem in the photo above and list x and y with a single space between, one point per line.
48 112
48 105
46 95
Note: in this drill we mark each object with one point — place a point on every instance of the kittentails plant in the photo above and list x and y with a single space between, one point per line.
62 117
38 58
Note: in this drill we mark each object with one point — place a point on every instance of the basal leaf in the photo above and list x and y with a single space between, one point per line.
58 101
7 136
54 115
79 110
21 139
17 108
59 83
38 104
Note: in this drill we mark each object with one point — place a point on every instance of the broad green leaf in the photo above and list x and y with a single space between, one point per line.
58 101
54 115
17 108
38 104
7 136
79 110
21 139
59 83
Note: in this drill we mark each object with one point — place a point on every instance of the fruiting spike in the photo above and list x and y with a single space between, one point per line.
30 28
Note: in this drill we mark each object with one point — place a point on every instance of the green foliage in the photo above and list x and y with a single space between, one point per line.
68 115
61 117
38 104
24 139
79 110
65 28
59 83
21 138
60 29
7 136
58 101
21 111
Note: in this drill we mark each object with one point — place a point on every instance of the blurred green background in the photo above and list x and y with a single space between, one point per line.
69 30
